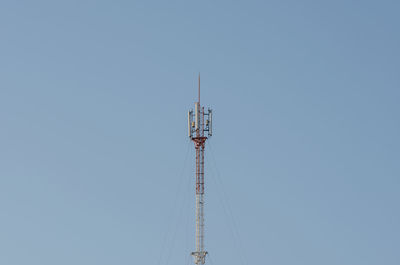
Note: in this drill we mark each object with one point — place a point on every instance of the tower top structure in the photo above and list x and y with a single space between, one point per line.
199 121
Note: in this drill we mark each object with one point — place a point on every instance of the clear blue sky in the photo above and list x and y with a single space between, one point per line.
93 101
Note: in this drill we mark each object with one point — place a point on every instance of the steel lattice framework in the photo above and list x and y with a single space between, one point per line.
199 123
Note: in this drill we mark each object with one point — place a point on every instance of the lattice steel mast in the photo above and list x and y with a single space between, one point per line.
199 123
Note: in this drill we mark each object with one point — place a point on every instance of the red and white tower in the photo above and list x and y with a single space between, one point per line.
199 129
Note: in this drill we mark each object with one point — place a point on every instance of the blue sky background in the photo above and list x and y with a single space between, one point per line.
93 104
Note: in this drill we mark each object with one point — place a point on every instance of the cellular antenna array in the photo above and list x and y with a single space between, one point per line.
199 130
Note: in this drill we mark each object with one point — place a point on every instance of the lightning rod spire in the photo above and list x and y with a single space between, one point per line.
199 88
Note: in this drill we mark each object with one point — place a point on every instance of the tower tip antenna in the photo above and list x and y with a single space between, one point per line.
199 87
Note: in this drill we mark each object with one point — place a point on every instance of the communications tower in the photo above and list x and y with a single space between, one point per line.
199 129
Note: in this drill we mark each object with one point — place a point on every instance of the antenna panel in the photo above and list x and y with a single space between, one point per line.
190 115
197 115
210 122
